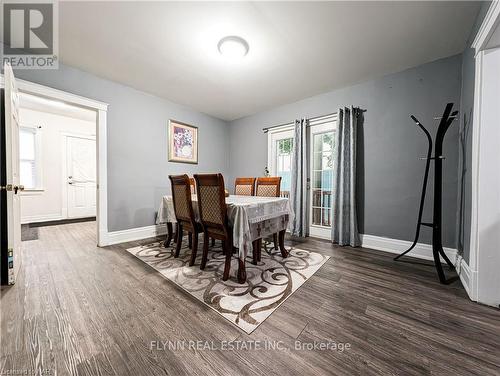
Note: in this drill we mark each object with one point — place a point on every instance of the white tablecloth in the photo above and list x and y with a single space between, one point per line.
251 217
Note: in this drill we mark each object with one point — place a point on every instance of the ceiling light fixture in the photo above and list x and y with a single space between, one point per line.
233 47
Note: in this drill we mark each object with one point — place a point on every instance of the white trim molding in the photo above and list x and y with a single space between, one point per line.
490 22
396 246
41 218
138 233
468 278
476 132
51 93
479 270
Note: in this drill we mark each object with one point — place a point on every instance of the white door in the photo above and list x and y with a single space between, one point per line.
280 158
12 186
321 170
81 179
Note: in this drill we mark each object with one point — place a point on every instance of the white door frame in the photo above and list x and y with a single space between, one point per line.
490 22
322 125
101 110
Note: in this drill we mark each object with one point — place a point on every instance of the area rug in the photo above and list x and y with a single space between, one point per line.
28 233
247 305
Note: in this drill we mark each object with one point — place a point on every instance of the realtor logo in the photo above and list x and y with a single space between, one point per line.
30 38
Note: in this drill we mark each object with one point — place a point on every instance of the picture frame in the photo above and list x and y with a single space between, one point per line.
182 142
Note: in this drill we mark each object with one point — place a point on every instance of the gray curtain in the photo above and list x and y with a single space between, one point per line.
298 190
344 222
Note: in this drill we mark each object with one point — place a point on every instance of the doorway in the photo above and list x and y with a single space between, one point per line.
321 143
57 152
12 189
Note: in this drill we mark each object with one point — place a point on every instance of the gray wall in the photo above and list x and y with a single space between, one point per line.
390 173
137 143
465 171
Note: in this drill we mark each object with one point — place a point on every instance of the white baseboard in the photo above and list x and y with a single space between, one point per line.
421 251
41 218
468 278
132 234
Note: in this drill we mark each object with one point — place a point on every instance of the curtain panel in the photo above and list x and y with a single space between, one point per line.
344 222
298 189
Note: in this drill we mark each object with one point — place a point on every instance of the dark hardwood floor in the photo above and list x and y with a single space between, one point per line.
81 310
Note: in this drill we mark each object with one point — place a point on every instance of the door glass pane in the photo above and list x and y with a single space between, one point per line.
326 217
317 179
26 144
316 216
284 149
316 198
317 161
327 141
327 160
326 198
27 174
318 143
322 178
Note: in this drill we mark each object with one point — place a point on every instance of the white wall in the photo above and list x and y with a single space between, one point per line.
50 203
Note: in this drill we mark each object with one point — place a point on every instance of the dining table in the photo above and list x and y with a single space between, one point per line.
251 218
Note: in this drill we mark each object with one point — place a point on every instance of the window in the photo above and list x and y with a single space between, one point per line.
29 158
280 157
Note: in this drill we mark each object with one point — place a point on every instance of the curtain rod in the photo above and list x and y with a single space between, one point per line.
265 130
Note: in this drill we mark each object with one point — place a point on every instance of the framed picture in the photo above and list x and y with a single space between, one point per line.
182 142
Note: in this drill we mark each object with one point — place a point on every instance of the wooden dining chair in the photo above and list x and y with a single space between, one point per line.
184 214
213 216
244 186
269 187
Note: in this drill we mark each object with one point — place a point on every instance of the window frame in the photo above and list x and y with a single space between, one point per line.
37 131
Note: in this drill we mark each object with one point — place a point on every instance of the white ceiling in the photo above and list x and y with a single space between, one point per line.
296 49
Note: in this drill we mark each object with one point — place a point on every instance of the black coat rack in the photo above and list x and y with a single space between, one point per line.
436 224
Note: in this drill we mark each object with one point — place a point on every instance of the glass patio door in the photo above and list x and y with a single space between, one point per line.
280 158
321 170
